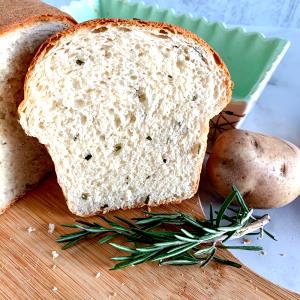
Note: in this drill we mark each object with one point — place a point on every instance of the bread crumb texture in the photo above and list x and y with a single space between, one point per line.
55 254
23 161
51 228
124 112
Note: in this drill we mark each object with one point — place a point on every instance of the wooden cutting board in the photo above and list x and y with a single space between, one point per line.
27 268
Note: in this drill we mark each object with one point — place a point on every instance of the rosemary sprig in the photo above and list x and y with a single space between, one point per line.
173 238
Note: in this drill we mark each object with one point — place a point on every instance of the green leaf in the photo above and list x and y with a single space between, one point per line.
211 215
188 234
123 248
250 248
168 244
133 261
229 235
121 258
108 221
247 217
185 239
178 262
88 224
107 238
72 243
209 258
227 262
193 222
224 206
93 230
130 224
167 255
230 228
270 235
204 251
240 198
71 236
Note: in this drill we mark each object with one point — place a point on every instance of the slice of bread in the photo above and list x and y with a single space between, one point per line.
123 107
24 25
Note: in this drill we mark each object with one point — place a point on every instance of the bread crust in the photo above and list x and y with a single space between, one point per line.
32 187
15 14
172 29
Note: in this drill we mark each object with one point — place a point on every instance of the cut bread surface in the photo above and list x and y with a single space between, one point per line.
23 160
123 108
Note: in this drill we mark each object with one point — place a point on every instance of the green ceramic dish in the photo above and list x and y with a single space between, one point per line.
250 57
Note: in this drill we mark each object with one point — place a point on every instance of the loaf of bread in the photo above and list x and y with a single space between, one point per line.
24 25
123 107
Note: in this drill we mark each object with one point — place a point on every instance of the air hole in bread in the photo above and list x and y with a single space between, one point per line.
132 117
76 136
163 31
161 36
79 103
100 29
180 64
133 77
107 54
117 121
147 199
84 196
125 29
216 57
142 96
83 119
2 115
170 29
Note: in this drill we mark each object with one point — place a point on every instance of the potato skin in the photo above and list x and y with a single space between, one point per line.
265 169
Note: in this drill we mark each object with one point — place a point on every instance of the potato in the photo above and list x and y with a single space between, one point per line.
265 169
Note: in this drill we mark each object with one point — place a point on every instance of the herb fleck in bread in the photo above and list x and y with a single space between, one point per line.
123 107
24 25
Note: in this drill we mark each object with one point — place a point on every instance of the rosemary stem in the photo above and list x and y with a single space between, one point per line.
258 224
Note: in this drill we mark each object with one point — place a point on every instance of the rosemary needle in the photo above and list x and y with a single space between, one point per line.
173 238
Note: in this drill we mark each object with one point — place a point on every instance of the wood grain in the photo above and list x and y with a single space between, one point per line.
26 263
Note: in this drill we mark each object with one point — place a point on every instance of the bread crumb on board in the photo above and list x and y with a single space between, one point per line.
282 254
51 228
55 254
98 275
114 294
247 241
263 253
54 267
55 289
30 229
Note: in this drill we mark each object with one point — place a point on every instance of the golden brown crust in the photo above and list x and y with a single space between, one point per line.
138 205
49 43
16 14
93 24
3 210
